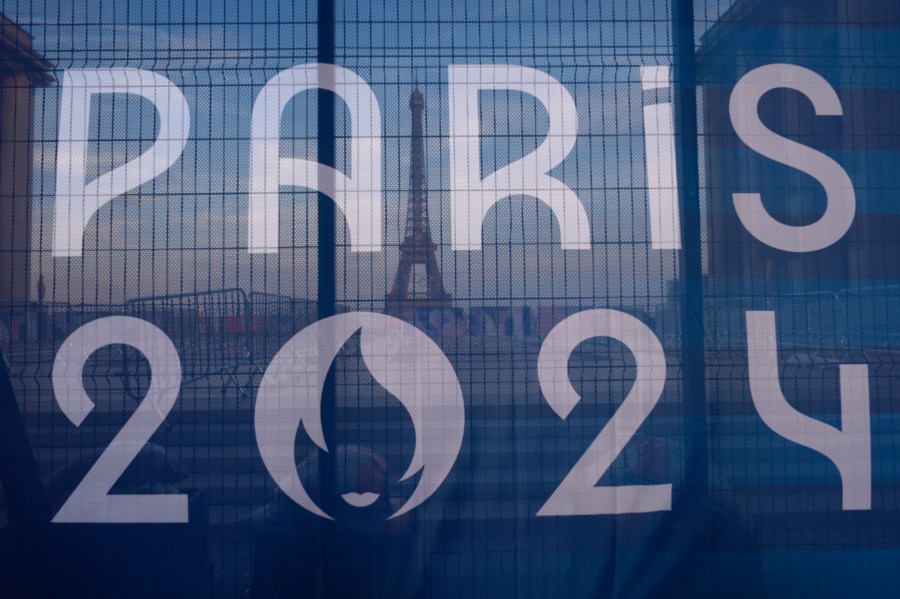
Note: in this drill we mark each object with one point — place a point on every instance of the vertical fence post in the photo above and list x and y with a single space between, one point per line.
325 299
693 362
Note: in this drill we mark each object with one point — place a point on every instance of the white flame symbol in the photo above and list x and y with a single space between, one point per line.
403 359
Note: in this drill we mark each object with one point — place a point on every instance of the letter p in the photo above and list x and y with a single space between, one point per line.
76 200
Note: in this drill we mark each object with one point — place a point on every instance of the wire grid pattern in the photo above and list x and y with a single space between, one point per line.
834 306
174 252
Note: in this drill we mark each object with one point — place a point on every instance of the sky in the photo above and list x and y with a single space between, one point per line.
186 230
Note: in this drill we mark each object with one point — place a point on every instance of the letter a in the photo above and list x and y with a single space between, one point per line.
359 197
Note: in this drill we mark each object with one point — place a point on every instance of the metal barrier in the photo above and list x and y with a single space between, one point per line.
846 319
209 329
282 313
274 320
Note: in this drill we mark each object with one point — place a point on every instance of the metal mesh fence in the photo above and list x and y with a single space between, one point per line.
487 173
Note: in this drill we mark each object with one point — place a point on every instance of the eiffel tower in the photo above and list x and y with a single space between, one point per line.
418 282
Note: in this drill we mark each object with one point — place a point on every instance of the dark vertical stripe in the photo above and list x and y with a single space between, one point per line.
691 275
326 286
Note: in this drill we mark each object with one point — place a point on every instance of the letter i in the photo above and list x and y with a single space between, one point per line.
662 179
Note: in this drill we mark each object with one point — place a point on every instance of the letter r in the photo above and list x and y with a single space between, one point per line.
471 196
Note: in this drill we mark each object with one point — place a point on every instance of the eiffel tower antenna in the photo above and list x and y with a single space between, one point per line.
418 282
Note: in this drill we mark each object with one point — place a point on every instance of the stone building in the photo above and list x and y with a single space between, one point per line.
855 46
21 71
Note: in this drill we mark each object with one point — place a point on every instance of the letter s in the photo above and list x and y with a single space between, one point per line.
841 199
